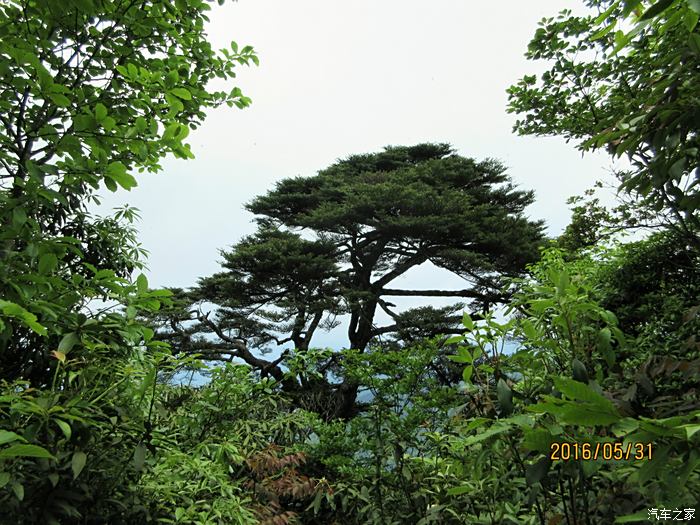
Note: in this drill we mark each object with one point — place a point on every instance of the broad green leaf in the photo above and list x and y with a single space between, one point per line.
652 468
78 463
521 420
493 431
562 282
130 312
604 31
53 478
142 283
14 310
181 93
6 437
18 490
579 371
624 426
468 322
587 415
605 14
29 451
4 479
505 396
580 392
65 428
19 216
691 20
59 99
108 124
139 456
458 491
529 329
47 263
68 341
467 373
694 43
656 9
147 333
117 172
100 112
538 439
690 430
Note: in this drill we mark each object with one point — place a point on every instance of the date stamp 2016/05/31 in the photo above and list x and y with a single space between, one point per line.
607 451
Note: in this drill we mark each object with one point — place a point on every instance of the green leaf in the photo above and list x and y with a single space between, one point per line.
690 430
175 104
47 263
130 312
538 439
624 426
19 216
694 5
6 437
537 471
29 319
562 282
580 392
108 124
53 478
29 451
468 322
587 415
458 491
100 112
505 396
467 373
4 479
181 93
117 172
65 428
139 456
60 100
68 341
602 32
579 371
604 337
694 43
658 8
529 329
651 469
142 284
18 489
77 464
493 431
605 14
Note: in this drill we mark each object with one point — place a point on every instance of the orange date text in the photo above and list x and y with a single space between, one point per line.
568 451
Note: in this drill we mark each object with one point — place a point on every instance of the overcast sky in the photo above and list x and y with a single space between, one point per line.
338 78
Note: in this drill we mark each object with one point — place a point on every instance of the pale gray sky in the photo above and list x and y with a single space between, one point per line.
337 78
